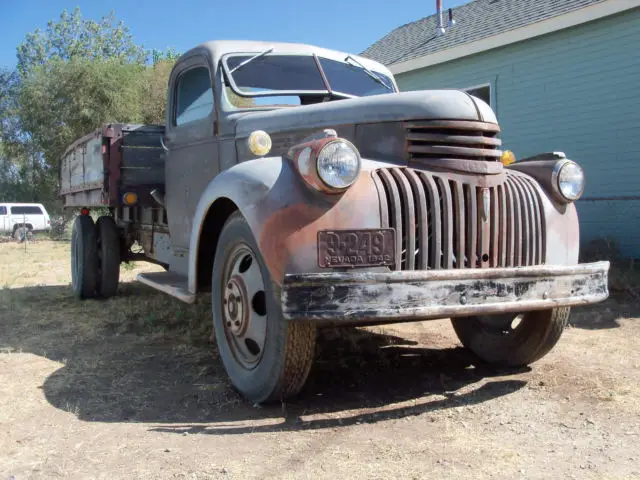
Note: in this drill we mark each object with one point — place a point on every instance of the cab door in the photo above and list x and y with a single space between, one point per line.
192 159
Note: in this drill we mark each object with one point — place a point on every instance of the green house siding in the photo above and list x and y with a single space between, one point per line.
577 91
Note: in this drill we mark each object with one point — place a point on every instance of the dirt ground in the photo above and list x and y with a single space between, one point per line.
131 388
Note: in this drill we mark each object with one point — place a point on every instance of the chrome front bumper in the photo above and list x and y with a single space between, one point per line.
363 297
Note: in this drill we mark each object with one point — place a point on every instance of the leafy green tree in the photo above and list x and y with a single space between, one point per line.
72 38
62 101
71 78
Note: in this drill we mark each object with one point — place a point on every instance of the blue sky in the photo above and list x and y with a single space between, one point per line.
348 25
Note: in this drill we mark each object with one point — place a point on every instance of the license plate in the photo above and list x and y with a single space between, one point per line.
356 248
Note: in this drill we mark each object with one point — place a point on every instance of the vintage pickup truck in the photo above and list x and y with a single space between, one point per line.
301 189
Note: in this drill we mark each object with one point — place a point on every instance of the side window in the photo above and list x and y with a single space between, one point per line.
3 210
194 96
483 92
26 211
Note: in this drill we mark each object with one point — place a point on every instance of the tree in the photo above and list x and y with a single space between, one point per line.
62 101
72 37
71 77
154 85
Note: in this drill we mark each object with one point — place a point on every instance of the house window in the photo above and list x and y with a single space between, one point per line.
194 96
483 92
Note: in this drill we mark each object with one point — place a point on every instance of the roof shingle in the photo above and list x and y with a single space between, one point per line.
474 21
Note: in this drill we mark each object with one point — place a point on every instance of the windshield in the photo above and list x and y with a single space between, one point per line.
284 80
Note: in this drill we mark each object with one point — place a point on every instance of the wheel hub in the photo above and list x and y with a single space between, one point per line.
236 306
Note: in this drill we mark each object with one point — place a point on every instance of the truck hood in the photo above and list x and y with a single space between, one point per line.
424 105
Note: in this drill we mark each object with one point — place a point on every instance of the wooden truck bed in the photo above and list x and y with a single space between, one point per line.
99 168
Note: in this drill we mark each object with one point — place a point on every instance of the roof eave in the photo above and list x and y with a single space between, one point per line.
571 19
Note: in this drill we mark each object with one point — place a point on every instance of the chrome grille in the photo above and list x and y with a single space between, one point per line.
445 223
453 140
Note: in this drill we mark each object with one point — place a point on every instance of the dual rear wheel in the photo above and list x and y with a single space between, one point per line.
95 257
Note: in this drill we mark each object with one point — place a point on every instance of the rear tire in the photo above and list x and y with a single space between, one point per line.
84 257
497 339
266 357
108 249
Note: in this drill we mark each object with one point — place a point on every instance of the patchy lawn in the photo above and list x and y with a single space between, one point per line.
131 388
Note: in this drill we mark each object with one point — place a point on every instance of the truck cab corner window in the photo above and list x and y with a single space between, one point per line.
194 96
3 210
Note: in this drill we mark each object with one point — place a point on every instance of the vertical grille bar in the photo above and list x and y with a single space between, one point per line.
384 201
515 240
494 243
408 219
528 201
460 225
422 243
447 223
436 220
539 225
395 214
502 245
484 229
524 221
472 226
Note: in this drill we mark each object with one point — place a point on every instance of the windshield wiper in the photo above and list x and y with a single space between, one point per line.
251 59
370 73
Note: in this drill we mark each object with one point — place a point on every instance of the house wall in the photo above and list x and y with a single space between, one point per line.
577 91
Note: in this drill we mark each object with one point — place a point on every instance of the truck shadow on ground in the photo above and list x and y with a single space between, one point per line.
604 315
145 357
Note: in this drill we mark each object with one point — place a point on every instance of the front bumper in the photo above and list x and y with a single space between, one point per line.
365 297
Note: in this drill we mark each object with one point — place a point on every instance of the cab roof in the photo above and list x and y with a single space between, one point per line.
216 49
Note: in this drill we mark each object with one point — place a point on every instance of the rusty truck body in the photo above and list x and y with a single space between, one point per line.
300 188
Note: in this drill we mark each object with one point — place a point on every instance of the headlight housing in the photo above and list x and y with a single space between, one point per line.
568 179
338 164
327 163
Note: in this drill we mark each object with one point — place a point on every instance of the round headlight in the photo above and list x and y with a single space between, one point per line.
338 164
259 143
571 181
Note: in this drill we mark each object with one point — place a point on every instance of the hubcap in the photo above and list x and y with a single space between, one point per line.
244 310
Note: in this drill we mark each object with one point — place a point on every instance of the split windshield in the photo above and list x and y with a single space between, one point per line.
274 80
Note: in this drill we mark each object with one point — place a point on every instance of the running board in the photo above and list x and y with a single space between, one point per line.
170 283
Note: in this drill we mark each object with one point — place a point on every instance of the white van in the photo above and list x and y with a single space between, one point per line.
31 215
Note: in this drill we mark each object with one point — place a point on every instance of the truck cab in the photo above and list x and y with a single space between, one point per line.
300 189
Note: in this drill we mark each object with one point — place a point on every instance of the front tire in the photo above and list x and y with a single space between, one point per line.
266 357
84 257
512 340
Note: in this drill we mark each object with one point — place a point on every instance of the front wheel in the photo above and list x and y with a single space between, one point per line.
512 340
265 357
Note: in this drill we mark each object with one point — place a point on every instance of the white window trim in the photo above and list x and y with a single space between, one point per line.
571 19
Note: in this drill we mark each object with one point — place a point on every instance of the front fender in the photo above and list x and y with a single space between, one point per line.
283 213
